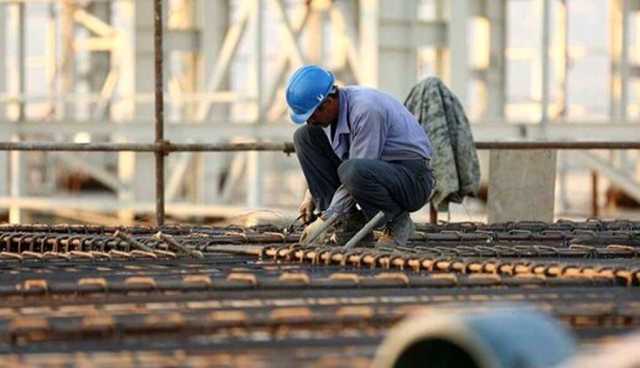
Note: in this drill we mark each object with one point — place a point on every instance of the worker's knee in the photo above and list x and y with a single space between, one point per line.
354 173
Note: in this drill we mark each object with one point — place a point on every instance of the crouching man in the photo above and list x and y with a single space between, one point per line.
361 152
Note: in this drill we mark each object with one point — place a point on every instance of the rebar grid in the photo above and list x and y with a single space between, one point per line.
142 290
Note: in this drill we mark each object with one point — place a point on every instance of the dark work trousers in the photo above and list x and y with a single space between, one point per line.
394 187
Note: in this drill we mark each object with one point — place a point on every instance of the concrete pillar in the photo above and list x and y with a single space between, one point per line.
459 70
68 67
136 59
18 178
213 22
314 36
144 58
544 59
441 53
619 40
619 12
388 48
254 165
496 75
4 174
100 61
521 185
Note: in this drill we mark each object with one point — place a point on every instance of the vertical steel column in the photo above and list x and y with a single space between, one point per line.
254 169
562 67
496 75
387 36
546 22
441 52
100 61
3 93
17 162
3 57
620 68
625 76
213 17
314 36
620 72
624 60
159 110
68 69
459 70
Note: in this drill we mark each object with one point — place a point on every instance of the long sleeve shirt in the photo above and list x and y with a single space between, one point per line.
373 125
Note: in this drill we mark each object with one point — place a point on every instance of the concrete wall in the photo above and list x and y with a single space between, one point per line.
521 185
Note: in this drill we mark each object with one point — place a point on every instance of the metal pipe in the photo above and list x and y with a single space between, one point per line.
503 337
546 43
557 145
159 111
366 229
594 194
287 147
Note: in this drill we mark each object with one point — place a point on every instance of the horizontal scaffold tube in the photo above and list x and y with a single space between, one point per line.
286 147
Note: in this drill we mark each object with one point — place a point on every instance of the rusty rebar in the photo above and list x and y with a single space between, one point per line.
285 147
171 241
131 241
159 111
164 146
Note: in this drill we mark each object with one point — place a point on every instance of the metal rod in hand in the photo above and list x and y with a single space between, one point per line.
366 229
333 218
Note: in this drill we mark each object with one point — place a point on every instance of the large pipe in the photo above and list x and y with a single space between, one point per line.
499 338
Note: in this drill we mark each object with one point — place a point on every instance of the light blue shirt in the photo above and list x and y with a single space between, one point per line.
374 125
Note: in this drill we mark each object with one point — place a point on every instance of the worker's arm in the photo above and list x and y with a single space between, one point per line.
367 141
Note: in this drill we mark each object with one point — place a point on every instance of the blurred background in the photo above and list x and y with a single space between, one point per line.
82 71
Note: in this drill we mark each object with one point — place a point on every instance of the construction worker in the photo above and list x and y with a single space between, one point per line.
361 152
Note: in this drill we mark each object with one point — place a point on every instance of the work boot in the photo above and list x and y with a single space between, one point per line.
397 232
346 228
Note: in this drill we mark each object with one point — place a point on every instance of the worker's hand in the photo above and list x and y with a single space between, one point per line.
306 208
311 231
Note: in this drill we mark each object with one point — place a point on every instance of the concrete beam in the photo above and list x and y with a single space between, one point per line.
144 80
4 167
17 163
459 70
521 186
496 74
431 34
213 22
100 62
186 40
3 56
389 64
185 131
255 164
616 176
620 63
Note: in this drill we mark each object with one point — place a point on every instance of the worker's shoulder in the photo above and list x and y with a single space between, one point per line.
367 99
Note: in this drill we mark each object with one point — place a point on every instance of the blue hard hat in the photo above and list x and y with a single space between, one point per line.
307 88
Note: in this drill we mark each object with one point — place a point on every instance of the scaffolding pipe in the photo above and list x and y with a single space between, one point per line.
166 147
159 111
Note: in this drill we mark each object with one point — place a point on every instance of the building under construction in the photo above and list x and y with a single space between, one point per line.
150 190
